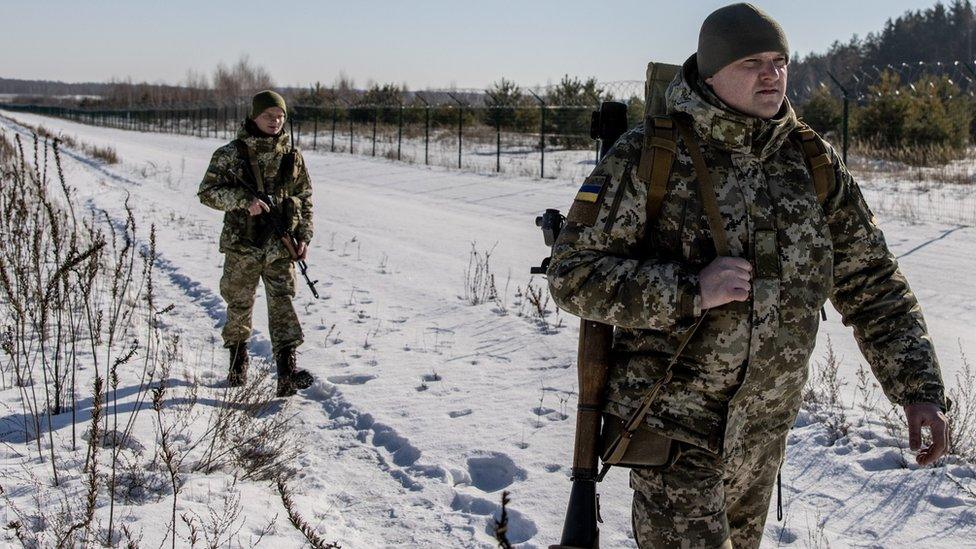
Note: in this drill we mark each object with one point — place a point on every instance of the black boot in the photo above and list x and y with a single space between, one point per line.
290 378
237 375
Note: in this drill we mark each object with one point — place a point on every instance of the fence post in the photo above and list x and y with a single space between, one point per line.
335 118
315 130
460 125
542 135
496 105
400 130
846 113
376 115
426 129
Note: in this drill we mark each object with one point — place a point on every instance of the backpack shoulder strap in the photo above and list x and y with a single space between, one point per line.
656 160
250 164
817 160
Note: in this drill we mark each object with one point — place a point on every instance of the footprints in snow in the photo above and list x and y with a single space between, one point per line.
945 502
492 472
520 528
351 379
549 413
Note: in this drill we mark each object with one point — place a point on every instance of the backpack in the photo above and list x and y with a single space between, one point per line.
660 144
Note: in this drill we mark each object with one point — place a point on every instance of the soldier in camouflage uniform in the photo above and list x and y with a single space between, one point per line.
251 249
736 388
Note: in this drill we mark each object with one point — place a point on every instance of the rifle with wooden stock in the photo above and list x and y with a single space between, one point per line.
581 530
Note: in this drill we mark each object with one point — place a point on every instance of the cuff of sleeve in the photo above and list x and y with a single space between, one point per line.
303 235
934 395
689 300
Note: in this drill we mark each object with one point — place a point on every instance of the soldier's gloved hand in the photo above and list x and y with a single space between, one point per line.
926 414
257 207
724 280
302 251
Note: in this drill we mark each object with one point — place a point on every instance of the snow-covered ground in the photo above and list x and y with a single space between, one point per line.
426 408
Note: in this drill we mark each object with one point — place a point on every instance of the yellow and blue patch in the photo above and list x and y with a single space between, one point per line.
586 207
590 191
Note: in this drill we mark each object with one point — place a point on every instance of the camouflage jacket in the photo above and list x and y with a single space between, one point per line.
742 375
293 191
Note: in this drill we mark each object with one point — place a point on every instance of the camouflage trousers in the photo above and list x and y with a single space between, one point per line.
238 286
702 500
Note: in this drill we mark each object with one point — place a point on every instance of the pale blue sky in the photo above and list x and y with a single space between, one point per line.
425 43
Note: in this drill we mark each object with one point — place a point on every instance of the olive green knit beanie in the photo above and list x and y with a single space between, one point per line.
266 100
734 32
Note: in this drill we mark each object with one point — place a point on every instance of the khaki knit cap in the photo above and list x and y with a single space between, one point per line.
734 32
266 100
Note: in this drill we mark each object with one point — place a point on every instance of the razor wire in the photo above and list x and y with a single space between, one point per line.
526 133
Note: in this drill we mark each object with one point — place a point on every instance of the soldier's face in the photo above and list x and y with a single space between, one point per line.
754 85
271 120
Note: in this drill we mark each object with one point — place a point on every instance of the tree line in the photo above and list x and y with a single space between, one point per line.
914 80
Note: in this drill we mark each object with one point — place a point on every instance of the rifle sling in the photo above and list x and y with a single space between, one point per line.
250 165
617 449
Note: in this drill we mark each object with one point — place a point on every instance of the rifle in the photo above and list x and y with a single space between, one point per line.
279 229
580 530
593 362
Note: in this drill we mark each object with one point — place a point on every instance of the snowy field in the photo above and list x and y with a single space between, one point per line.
427 408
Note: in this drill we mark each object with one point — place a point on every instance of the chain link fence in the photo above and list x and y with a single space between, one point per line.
542 133
462 129
905 129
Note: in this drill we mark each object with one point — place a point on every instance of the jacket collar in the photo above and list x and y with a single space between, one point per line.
259 142
722 126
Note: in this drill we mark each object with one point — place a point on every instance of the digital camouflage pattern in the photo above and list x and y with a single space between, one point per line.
739 381
252 252
238 285
219 190
699 501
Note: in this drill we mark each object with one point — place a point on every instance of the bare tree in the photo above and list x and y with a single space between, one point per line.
240 80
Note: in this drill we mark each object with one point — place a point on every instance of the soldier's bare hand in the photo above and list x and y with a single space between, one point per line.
926 414
724 280
302 251
257 207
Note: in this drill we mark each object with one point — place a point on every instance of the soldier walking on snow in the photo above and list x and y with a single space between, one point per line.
261 159
757 231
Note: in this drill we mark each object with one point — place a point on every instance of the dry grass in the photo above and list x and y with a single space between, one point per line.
106 154
962 414
915 156
479 280
79 292
298 521
501 524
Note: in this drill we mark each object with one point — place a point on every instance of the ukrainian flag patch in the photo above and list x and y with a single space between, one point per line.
590 191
